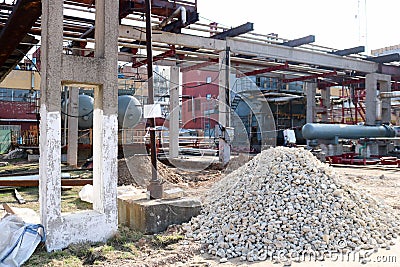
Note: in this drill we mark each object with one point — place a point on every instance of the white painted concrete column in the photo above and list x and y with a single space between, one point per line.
174 113
105 123
101 223
310 89
326 99
371 100
73 111
223 107
50 119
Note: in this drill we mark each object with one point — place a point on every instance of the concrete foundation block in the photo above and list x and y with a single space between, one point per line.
154 216
173 193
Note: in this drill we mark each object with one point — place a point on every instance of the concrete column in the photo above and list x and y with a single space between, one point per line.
224 101
310 89
385 86
105 123
50 119
371 99
326 99
100 223
174 113
73 110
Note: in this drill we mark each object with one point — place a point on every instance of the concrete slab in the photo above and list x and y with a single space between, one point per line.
154 216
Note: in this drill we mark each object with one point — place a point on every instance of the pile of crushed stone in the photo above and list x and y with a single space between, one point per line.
285 203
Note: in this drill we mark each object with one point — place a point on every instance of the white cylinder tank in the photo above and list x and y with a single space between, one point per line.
129 111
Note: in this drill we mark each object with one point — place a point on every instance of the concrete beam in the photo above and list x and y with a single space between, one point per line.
300 55
244 47
174 113
185 40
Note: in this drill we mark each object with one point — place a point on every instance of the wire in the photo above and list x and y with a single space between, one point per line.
193 86
73 116
33 63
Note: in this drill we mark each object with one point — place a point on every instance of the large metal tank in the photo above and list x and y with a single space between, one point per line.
85 113
313 131
129 111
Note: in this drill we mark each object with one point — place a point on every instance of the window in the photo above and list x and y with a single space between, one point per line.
189 104
197 104
208 79
208 96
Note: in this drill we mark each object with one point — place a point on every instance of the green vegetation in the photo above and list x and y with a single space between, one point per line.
125 245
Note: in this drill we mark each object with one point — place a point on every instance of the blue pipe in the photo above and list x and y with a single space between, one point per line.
312 131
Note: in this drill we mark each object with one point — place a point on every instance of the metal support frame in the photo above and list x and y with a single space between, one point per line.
310 77
155 187
300 41
167 54
244 28
270 69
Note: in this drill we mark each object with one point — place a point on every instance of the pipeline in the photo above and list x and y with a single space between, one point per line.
313 131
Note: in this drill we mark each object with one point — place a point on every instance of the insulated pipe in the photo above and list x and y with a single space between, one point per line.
312 131
180 10
389 94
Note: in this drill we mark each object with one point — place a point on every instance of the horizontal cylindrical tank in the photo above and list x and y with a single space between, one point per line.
85 111
312 131
85 120
129 111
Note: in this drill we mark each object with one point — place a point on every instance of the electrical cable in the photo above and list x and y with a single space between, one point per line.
73 116
29 60
193 86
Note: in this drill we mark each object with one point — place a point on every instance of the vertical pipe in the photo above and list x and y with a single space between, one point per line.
155 186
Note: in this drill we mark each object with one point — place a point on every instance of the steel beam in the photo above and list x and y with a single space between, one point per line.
23 17
210 62
349 51
300 41
244 28
310 77
169 53
385 58
270 69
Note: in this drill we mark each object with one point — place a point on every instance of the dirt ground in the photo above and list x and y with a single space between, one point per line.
134 249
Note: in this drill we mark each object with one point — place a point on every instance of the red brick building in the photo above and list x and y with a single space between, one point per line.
200 100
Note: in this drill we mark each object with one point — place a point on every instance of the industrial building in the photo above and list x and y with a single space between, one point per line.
79 72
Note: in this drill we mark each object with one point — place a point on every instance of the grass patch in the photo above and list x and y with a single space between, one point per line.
70 200
124 246
165 240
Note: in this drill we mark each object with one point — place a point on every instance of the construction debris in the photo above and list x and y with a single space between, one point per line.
18 197
285 203
136 170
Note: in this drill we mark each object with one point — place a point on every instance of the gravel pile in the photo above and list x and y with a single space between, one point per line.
284 203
